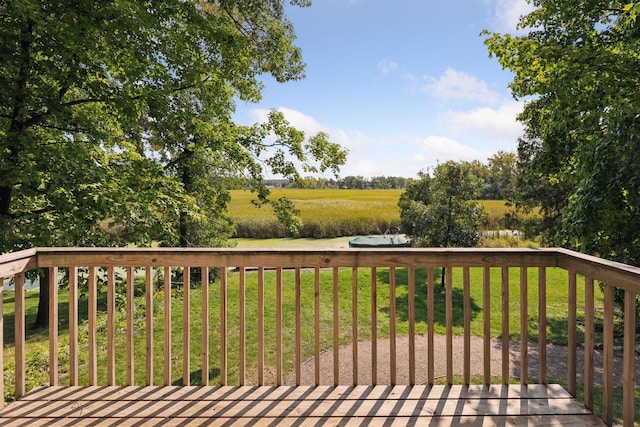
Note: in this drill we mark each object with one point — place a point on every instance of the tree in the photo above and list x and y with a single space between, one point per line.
579 155
440 210
115 117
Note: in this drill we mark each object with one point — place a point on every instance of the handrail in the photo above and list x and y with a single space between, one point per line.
228 322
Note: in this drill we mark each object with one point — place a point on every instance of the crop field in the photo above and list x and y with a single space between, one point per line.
333 213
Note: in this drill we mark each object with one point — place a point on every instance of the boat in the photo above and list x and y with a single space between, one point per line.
390 239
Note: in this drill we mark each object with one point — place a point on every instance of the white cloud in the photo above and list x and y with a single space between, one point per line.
508 13
349 139
299 120
387 66
458 86
494 123
440 148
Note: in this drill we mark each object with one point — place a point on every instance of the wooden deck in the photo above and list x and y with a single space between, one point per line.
300 406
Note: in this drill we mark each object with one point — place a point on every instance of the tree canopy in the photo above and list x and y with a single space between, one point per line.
440 208
576 67
117 116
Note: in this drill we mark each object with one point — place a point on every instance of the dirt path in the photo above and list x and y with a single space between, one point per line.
557 357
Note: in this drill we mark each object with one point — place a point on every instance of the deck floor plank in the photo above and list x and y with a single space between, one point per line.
323 405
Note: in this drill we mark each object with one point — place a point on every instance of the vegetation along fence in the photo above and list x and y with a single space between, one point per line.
232 316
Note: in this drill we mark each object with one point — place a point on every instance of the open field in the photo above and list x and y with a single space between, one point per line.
334 213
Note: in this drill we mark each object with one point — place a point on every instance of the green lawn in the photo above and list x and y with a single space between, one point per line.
37 358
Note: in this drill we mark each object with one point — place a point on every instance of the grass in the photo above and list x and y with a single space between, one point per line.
330 213
556 314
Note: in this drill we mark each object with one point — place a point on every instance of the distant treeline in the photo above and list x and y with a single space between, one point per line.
497 174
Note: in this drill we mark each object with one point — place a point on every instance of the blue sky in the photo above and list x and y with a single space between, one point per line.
402 85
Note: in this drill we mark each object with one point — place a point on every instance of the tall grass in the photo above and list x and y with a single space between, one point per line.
335 213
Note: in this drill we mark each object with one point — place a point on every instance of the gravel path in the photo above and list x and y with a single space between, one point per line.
556 361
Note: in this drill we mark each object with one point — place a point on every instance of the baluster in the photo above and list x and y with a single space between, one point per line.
186 326
505 325
607 362
149 324
73 326
279 372
261 326
572 334
223 328
19 336
242 344
392 325
111 326
204 273
167 326
467 325
486 323
628 371
54 378
374 326
589 310
430 326
316 305
542 323
449 322
130 334
298 326
336 329
354 323
411 271
524 326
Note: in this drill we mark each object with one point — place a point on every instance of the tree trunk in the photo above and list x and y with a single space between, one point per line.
42 319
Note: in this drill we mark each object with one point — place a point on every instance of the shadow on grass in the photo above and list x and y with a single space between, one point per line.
195 377
439 313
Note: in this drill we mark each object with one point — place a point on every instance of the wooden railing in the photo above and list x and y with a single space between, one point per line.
266 311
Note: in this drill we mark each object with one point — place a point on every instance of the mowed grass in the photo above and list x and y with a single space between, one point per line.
329 213
37 354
